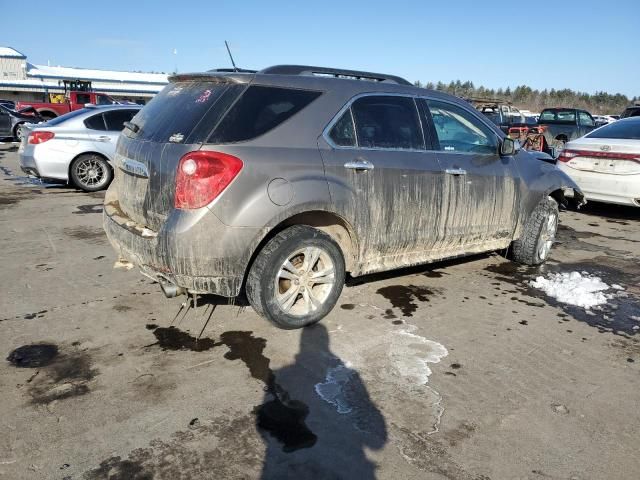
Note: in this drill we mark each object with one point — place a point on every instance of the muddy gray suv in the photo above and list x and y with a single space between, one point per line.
279 183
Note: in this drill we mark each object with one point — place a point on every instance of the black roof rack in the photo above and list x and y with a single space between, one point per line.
231 70
335 72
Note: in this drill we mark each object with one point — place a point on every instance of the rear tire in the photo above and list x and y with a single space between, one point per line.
90 172
539 233
297 277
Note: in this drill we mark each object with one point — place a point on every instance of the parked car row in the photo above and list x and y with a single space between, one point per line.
277 184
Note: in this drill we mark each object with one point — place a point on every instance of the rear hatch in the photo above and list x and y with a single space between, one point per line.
178 120
612 156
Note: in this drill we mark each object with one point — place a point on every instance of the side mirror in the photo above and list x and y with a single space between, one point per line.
508 147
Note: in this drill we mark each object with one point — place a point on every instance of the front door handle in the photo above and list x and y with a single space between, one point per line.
104 138
455 171
359 164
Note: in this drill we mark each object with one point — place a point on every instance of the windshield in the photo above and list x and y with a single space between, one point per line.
558 116
623 129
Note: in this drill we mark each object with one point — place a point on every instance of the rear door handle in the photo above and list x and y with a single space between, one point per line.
359 164
455 171
104 138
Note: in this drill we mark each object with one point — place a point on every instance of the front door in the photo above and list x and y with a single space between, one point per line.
382 180
481 188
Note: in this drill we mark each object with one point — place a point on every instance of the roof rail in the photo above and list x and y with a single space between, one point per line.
231 70
335 72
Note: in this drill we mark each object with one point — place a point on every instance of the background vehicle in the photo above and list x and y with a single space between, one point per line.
564 124
77 94
632 111
11 122
504 115
8 103
77 147
606 162
286 179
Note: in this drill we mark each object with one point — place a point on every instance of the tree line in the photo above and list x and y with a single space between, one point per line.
526 98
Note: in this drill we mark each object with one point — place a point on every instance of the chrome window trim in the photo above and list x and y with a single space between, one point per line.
347 106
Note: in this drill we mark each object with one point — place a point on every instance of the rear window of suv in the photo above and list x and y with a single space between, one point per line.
259 110
188 110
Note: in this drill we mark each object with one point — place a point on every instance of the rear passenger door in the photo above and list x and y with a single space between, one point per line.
381 178
480 187
5 124
106 129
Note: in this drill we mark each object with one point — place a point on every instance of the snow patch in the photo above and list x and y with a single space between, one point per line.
575 288
332 390
411 355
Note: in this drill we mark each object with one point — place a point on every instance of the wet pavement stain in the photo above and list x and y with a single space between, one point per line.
151 326
33 356
172 338
91 208
66 375
89 234
282 417
121 308
347 306
405 297
115 468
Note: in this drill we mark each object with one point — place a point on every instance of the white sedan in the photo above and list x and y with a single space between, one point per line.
76 148
606 162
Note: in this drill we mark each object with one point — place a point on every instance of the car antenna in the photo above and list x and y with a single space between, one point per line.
235 69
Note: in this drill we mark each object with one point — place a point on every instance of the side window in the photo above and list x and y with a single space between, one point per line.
259 110
387 122
460 131
585 119
116 118
343 132
83 98
96 122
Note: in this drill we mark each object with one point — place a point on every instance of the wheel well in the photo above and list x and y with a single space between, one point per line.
87 153
331 224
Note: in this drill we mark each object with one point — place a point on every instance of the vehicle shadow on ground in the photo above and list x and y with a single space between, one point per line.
317 417
608 210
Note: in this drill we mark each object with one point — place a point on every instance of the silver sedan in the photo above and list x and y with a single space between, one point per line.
76 148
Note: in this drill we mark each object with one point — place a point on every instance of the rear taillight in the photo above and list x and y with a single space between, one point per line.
202 176
40 137
568 154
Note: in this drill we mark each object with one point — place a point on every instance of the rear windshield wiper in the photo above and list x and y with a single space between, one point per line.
131 126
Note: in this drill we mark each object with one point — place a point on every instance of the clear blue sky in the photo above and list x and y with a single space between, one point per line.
585 45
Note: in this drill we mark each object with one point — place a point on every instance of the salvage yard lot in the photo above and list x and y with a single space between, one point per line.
458 370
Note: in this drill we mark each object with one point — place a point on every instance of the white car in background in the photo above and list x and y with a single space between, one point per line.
77 148
605 163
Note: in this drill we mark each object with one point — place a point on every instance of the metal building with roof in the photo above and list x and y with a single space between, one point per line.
21 80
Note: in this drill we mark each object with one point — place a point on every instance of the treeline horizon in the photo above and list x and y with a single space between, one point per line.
524 97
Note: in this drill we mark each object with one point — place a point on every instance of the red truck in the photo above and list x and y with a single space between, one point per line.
73 100
77 93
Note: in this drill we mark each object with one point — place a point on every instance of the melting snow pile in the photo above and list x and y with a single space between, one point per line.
582 290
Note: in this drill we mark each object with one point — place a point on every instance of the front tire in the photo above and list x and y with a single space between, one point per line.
17 132
538 235
296 278
91 172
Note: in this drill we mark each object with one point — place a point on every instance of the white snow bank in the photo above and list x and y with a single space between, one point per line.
575 288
